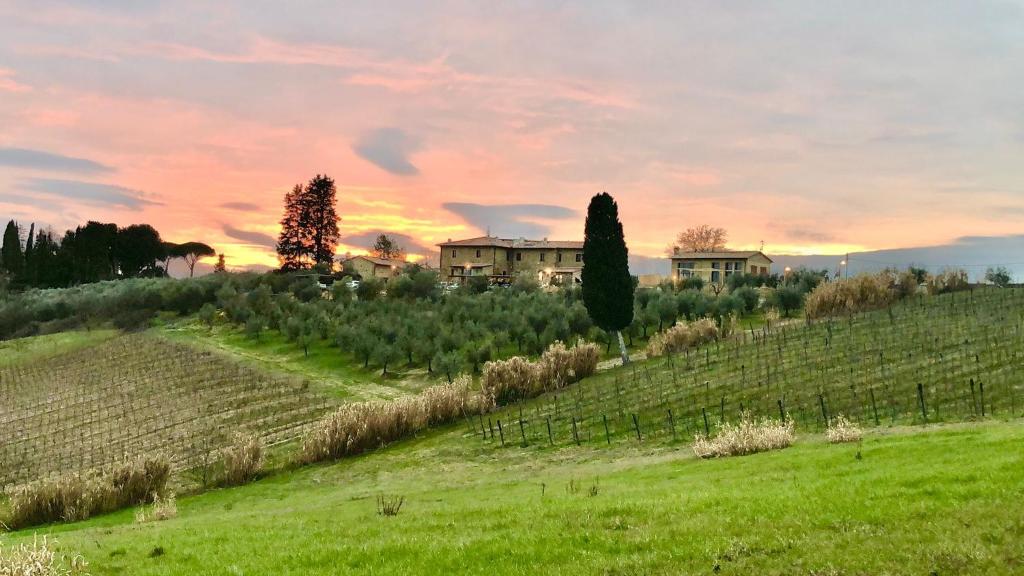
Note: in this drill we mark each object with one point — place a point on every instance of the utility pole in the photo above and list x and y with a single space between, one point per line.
847 265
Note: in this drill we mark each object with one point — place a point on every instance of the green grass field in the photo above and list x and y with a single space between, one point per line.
936 487
924 500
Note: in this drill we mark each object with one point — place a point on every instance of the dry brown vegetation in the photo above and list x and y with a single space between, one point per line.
843 430
948 281
138 394
162 509
362 426
517 378
860 293
77 496
682 336
243 459
746 437
38 559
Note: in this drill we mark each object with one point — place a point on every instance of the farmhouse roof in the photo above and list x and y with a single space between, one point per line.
379 261
720 255
523 243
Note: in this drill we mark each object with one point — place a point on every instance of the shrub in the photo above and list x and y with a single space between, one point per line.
749 296
842 430
360 426
38 559
747 437
999 276
243 459
682 336
162 509
850 295
74 497
558 366
948 281
786 299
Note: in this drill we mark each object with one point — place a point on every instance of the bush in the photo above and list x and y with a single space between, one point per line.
948 281
682 336
518 378
747 437
999 276
243 459
38 559
360 426
860 293
79 496
842 430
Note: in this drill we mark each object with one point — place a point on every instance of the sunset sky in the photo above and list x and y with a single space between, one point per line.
816 127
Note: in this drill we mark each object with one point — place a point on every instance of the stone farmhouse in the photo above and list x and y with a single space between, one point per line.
501 259
364 267
715 267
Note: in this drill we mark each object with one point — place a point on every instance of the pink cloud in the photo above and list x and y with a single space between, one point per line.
9 84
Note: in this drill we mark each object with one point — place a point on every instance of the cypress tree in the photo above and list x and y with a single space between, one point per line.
10 255
607 285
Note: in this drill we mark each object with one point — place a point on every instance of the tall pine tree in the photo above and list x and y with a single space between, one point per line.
607 285
291 246
309 228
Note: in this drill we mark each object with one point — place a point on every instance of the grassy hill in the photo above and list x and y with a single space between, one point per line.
942 500
925 489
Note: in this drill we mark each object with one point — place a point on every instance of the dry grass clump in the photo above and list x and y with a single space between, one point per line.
860 293
558 366
948 281
243 459
74 497
162 509
362 426
504 380
682 336
747 437
842 430
38 559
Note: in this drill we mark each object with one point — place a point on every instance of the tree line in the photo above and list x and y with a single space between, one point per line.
92 252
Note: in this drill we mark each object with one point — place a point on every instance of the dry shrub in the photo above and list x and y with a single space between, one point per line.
74 497
360 426
38 559
857 294
558 366
682 336
842 430
162 509
243 459
948 281
504 380
747 437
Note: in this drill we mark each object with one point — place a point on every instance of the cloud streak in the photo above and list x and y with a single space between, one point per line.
90 192
511 220
42 160
389 149
249 237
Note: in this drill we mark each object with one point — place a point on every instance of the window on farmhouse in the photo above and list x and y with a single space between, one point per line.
455 253
477 253
579 257
542 255
519 256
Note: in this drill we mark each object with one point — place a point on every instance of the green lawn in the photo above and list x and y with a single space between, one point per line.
922 500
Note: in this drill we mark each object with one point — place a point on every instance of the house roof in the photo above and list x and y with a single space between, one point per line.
379 261
721 255
523 243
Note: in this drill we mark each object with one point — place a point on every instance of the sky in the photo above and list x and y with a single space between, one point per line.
814 127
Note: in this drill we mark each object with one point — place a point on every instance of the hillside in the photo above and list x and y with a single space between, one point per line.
500 494
81 404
